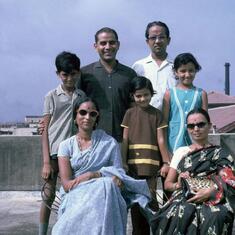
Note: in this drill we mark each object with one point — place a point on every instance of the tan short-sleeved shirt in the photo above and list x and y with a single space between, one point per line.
59 105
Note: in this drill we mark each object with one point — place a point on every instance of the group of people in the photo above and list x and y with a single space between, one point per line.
110 130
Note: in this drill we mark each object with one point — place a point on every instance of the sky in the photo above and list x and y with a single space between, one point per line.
33 32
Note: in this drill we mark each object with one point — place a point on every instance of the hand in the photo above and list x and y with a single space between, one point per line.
47 171
41 127
183 175
81 178
202 195
118 182
164 170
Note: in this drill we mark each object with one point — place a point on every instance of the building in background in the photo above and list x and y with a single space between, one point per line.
221 110
27 128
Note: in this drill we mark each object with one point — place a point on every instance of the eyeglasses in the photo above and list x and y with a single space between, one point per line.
199 125
84 112
160 38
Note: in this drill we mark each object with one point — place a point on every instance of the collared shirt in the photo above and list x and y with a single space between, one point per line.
162 77
111 92
59 105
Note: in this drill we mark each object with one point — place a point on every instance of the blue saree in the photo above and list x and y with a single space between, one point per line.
98 206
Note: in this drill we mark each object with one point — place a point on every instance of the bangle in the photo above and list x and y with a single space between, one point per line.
167 163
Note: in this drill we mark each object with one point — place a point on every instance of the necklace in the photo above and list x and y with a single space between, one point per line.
83 146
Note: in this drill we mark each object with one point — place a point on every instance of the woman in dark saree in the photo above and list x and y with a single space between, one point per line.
206 210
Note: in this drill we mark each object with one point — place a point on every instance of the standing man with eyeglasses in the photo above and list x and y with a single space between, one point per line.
156 67
107 82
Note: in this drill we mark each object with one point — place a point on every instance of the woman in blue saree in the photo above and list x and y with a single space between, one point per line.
209 208
95 190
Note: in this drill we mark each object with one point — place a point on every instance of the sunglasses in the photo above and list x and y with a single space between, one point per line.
199 125
92 113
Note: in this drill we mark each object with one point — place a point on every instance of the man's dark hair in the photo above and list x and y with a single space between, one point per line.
106 30
157 23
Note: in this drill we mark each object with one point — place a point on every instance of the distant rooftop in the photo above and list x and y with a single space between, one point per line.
220 99
223 118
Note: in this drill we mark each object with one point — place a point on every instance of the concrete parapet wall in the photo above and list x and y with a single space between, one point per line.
226 140
20 160
20 163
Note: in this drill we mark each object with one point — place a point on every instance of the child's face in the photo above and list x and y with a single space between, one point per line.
69 80
186 74
142 97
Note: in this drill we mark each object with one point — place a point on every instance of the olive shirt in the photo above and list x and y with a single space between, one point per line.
111 91
143 158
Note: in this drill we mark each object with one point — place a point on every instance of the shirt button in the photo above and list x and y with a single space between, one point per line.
186 101
110 87
186 112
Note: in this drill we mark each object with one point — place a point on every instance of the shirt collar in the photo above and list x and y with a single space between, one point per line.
150 59
59 90
99 65
164 63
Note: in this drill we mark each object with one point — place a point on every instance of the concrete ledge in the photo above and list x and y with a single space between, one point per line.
21 160
20 163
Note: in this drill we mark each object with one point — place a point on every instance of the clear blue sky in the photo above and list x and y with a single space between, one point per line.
33 32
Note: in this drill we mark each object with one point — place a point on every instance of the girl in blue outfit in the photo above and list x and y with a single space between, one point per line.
182 98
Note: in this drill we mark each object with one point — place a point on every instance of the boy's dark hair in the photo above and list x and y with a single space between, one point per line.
67 62
82 100
141 82
106 30
200 111
157 23
185 58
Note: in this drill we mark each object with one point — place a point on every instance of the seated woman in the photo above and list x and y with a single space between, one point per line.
208 209
96 192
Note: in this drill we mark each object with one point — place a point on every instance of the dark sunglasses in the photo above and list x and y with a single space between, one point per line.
199 125
83 112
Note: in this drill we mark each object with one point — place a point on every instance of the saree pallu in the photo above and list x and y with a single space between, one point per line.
213 217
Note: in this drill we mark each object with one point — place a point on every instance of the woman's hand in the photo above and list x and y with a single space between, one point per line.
202 195
47 171
118 182
82 178
183 175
